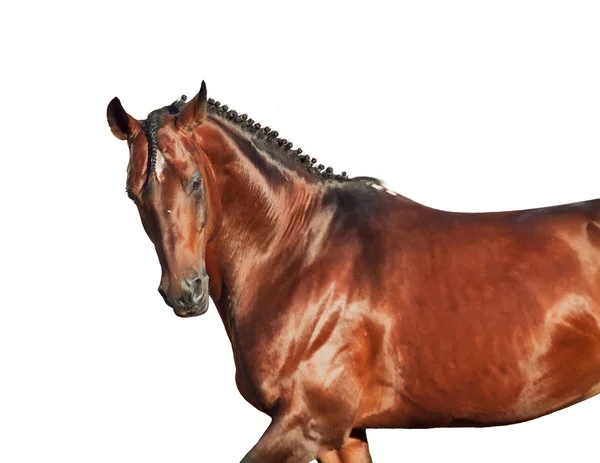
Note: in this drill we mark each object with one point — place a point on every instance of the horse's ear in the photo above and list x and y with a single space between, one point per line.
121 124
194 111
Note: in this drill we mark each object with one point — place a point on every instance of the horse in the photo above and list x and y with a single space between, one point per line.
349 306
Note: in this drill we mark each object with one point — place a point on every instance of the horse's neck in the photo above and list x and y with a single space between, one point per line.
260 222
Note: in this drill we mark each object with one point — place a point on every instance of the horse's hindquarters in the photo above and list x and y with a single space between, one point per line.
565 363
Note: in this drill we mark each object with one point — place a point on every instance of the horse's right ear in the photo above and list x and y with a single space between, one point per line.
121 124
194 111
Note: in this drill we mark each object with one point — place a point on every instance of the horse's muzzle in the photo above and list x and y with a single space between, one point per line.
192 299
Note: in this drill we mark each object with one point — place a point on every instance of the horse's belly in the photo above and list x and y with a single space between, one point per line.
554 364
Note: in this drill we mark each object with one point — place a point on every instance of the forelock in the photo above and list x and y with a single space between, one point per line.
150 129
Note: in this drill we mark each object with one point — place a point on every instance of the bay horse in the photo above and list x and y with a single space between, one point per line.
349 306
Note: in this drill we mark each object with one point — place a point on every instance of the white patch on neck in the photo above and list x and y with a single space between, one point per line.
160 165
380 187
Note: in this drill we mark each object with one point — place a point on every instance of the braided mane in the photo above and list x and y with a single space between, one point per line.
271 136
248 126
150 127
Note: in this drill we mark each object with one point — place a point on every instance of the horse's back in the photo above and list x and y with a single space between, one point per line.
494 318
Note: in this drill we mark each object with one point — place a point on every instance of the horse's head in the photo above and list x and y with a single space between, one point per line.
168 179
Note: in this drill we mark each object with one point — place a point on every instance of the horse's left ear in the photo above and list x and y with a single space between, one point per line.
194 111
121 124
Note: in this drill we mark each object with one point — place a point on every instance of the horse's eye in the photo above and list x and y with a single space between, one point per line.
196 183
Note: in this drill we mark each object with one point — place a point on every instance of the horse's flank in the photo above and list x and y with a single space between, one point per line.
349 306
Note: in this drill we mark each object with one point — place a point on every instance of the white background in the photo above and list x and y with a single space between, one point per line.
470 106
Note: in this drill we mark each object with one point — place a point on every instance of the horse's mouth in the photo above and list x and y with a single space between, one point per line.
192 310
189 313
187 305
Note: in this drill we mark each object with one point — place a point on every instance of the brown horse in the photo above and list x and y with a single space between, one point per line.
349 306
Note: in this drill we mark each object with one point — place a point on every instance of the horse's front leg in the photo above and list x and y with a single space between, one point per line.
331 456
354 450
286 440
297 437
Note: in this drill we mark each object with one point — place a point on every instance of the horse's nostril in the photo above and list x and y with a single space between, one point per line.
194 289
197 286
162 293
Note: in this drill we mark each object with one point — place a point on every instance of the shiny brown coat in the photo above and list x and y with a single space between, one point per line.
349 306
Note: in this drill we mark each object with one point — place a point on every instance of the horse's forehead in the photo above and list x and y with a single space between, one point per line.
174 150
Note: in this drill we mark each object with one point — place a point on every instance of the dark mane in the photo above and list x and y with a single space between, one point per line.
264 137
270 139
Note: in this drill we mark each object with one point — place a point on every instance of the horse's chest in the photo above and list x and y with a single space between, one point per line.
275 358
255 381
257 369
